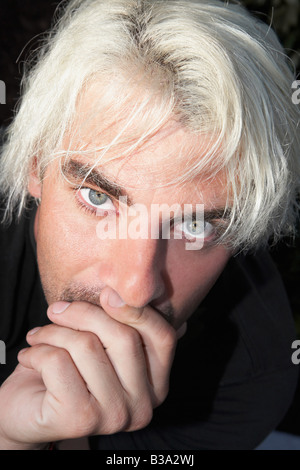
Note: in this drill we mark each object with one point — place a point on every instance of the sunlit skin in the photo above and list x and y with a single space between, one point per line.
117 306
162 273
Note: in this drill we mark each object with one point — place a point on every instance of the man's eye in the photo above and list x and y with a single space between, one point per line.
192 229
95 199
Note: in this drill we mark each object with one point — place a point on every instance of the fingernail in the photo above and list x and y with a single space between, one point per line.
60 307
34 330
115 300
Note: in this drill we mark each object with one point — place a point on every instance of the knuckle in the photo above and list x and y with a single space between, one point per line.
103 418
128 338
58 357
119 420
133 347
169 338
86 421
135 316
122 419
143 417
89 342
132 337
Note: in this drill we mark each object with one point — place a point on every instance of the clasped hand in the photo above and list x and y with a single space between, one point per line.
94 370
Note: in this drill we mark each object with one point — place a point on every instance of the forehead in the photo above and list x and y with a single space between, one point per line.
133 150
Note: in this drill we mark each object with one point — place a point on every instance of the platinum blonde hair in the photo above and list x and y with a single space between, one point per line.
219 71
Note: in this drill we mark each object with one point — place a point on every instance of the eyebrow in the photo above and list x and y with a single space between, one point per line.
85 174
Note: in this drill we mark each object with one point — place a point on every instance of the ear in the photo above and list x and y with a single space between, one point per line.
34 184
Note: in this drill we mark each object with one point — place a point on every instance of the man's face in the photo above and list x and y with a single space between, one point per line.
75 263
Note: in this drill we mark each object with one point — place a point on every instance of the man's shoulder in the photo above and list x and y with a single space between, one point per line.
258 310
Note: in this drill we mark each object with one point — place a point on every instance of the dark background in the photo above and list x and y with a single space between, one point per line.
22 24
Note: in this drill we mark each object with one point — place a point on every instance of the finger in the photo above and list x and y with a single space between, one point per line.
57 370
120 409
61 406
159 337
87 354
119 369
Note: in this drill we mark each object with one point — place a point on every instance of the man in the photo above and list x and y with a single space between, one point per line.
159 141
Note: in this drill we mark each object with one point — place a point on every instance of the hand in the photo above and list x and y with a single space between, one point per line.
93 371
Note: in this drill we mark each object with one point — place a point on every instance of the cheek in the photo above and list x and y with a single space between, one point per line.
193 274
63 241
211 266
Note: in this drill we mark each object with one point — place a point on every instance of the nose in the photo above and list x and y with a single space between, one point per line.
135 270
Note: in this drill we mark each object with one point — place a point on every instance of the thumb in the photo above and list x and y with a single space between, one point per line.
114 305
112 298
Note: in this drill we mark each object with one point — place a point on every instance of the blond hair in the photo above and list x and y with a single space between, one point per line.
217 69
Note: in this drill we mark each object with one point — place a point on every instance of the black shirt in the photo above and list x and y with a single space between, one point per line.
232 379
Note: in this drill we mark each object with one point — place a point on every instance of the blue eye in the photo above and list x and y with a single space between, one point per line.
96 200
194 229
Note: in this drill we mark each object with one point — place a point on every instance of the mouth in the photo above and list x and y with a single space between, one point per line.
80 293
